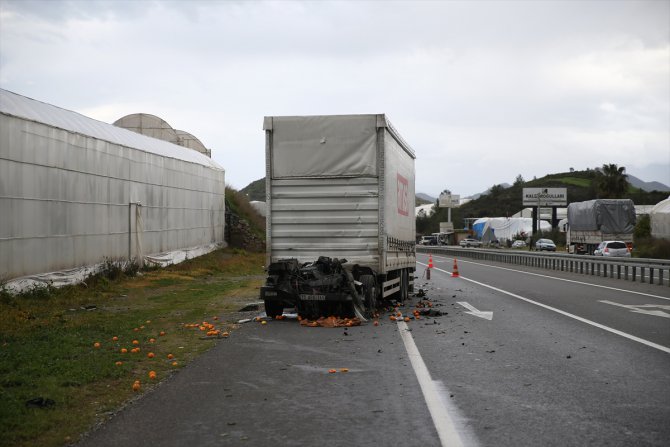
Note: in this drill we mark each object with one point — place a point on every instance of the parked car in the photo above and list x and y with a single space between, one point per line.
545 244
518 244
428 240
613 249
470 242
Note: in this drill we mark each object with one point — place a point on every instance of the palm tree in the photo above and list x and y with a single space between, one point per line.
612 181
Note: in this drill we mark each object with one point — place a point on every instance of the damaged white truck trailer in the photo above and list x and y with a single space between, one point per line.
340 215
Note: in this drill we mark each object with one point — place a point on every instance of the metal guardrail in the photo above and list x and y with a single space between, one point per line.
653 271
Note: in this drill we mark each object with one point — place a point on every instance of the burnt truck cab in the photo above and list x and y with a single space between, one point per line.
323 287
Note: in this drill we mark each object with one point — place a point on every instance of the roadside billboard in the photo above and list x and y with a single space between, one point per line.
545 196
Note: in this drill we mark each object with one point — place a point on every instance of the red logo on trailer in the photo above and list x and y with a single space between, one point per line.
403 196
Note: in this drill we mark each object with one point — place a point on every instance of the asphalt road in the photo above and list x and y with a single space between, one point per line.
557 364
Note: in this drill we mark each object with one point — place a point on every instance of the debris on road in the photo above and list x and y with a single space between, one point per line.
331 322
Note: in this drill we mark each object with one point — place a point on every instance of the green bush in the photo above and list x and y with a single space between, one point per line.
651 247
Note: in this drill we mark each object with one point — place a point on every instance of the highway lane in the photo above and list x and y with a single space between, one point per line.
639 309
529 376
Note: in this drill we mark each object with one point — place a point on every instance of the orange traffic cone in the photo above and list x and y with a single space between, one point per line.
430 261
454 273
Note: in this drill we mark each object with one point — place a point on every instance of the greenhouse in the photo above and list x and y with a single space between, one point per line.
76 192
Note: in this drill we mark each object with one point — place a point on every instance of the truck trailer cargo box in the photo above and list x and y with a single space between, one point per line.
340 187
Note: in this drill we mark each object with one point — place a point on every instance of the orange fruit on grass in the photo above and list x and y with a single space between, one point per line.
174 363
135 342
136 386
151 355
96 345
162 333
119 363
115 338
124 350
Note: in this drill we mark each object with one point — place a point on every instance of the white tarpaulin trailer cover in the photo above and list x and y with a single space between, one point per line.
75 191
340 186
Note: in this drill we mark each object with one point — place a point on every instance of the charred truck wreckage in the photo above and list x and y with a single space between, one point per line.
339 189
324 287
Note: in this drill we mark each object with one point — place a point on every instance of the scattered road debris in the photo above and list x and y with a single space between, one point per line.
331 322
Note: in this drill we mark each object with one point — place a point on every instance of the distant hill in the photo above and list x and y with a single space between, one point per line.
488 191
647 186
424 199
255 190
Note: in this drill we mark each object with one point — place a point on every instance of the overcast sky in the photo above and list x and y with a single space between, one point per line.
482 90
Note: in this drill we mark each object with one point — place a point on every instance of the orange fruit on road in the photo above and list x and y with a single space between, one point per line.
331 371
392 318
376 323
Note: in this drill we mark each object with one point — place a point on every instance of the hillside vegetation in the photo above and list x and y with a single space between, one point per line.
503 202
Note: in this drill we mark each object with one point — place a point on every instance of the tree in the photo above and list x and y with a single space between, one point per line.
519 180
496 190
612 181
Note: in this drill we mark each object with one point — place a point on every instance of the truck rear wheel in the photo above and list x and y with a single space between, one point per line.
369 293
273 309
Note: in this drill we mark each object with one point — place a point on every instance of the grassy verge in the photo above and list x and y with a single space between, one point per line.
56 383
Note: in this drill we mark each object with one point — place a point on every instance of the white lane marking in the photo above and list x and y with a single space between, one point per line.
443 422
567 314
487 315
640 308
563 279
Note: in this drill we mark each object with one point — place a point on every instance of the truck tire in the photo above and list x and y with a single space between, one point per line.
369 294
273 309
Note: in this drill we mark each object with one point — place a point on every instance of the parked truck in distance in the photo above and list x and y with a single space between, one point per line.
595 221
340 215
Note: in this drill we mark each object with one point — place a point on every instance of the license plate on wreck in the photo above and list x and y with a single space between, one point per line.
305 297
